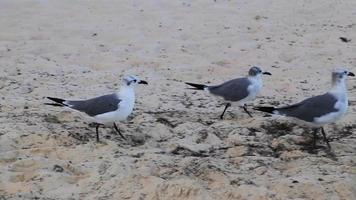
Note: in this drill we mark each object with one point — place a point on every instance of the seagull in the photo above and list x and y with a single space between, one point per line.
108 108
319 110
239 90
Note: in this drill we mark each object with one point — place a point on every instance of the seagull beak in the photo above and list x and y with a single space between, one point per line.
351 74
143 82
266 73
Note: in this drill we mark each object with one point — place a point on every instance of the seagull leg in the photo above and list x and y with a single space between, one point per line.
325 139
118 130
222 115
245 109
315 131
97 132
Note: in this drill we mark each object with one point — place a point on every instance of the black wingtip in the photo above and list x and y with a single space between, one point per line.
267 109
196 86
59 102
54 104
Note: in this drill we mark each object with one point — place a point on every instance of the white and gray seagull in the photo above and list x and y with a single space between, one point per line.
106 109
239 90
319 110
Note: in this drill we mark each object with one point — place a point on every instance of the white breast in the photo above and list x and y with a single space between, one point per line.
125 108
341 105
253 89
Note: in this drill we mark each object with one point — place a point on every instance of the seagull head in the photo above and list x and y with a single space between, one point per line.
256 71
339 75
132 80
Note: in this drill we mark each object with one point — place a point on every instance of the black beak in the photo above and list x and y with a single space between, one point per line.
143 82
267 73
351 74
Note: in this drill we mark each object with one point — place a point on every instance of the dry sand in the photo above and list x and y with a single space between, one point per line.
177 146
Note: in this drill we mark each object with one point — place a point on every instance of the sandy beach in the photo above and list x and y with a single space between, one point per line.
177 147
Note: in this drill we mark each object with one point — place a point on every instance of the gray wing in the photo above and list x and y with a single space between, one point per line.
310 108
97 105
233 90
